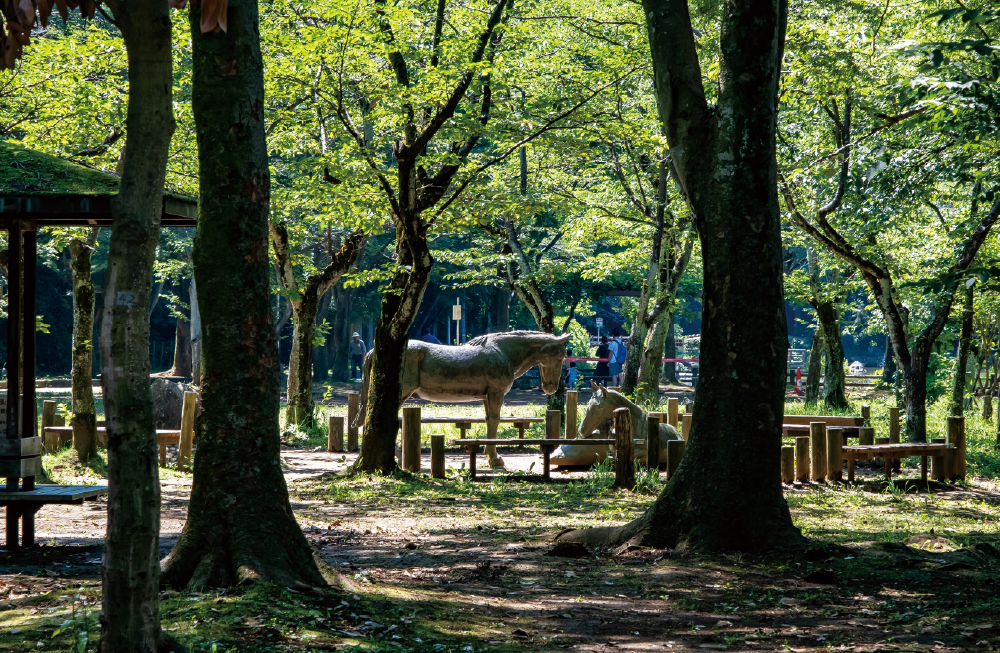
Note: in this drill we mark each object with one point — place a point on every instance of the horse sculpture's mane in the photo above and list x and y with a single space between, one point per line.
482 341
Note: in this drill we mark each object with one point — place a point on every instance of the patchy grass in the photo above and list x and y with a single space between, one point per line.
64 467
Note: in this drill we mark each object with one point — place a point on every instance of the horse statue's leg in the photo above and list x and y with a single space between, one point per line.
493 404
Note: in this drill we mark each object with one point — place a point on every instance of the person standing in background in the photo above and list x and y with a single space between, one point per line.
430 337
617 355
601 374
357 349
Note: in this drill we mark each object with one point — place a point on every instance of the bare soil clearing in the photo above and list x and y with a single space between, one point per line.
430 565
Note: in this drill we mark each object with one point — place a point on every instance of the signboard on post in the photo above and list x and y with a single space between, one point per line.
456 312
599 321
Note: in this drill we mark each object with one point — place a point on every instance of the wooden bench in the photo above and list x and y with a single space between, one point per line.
463 424
892 452
163 437
798 425
472 446
25 503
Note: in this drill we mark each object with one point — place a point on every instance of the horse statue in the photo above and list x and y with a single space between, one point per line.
483 369
600 410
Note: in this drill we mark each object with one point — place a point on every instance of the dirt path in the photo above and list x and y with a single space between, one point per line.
465 569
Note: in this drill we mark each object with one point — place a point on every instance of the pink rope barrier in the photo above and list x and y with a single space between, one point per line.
665 360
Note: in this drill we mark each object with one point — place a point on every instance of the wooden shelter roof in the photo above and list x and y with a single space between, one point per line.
51 191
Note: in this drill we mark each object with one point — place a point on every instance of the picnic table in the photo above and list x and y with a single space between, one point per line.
163 437
895 451
472 446
23 504
463 424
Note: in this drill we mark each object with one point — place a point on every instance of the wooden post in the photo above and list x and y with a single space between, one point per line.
894 424
672 411
817 441
686 425
411 438
353 401
653 442
187 431
887 462
335 439
834 455
938 463
553 424
866 414
437 455
571 414
866 435
956 438
675 451
48 419
802 459
624 465
787 465
988 408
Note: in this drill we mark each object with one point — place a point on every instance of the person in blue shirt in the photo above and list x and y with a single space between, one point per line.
429 337
572 376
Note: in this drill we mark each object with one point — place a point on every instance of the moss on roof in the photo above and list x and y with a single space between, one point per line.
30 173
25 172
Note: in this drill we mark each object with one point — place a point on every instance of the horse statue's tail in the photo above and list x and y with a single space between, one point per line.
366 375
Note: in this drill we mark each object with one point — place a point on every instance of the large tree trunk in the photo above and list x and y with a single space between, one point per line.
964 345
240 526
726 495
833 371
130 612
815 367
84 420
503 309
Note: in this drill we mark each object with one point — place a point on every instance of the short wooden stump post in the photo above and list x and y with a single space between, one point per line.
675 451
802 459
187 431
335 434
817 450
834 455
787 465
686 425
50 443
653 443
672 411
353 402
571 410
866 435
624 465
411 438
939 463
553 424
437 455
956 438
866 414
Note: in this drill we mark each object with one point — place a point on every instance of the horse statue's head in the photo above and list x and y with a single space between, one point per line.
550 360
600 409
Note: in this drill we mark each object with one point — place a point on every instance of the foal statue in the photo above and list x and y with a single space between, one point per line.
483 369
600 410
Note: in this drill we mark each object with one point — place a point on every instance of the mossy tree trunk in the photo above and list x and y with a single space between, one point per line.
964 346
84 420
304 296
726 495
668 373
240 526
182 340
130 614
